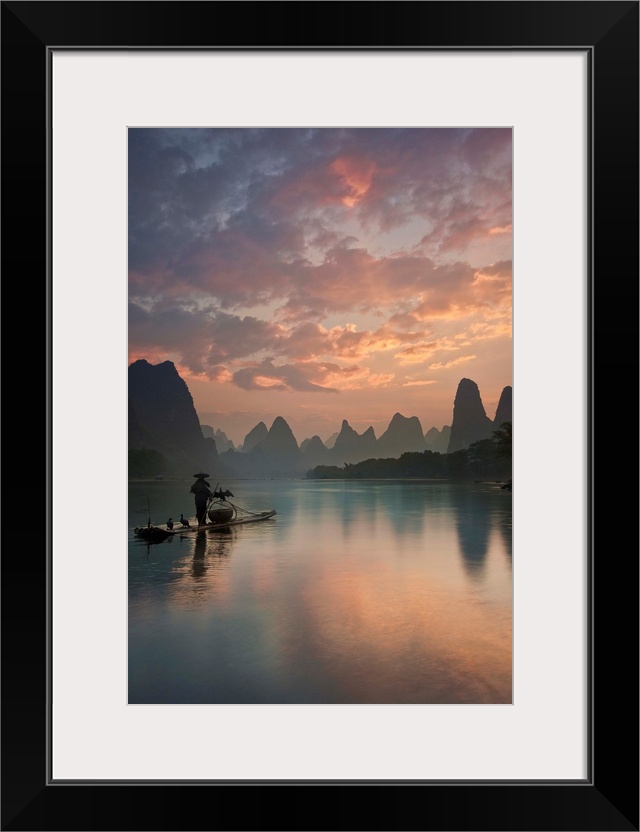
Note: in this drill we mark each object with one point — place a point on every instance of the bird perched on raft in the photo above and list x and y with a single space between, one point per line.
185 523
170 523
220 494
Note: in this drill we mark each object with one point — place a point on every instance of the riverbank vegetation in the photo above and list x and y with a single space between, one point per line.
487 458
146 462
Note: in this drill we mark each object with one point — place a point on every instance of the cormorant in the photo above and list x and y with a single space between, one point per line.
220 494
185 523
170 523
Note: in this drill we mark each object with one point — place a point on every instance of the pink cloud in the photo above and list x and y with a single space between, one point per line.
240 228
319 260
357 173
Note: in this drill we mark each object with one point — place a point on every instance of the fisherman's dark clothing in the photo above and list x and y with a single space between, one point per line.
202 492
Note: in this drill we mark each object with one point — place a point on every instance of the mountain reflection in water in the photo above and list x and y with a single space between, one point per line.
356 592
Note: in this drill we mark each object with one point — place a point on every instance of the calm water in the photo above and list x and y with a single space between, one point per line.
355 592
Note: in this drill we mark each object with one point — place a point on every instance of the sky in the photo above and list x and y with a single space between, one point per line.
322 274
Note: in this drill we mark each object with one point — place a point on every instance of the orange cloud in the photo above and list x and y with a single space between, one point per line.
266 381
358 378
500 229
417 353
483 330
452 363
357 174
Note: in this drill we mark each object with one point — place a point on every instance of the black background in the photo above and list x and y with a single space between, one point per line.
608 800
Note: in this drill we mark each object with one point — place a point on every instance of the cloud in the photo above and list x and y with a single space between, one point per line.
206 337
233 336
500 229
357 174
355 279
308 377
219 373
357 378
310 340
471 292
454 361
300 377
242 215
419 352
319 260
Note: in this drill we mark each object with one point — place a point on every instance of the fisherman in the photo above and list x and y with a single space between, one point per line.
202 491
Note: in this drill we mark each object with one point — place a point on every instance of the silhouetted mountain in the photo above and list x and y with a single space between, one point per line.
163 417
278 453
275 453
314 452
280 438
503 411
240 465
254 436
331 441
223 443
470 422
438 440
350 446
403 434
346 440
368 439
139 437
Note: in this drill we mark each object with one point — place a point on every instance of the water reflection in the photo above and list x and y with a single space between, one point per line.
473 530
201 571
356 592
404 506
477 515
182 566
199 566
506 531
210 544
389 638
352 505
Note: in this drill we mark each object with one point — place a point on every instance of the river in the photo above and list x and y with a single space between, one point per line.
355 592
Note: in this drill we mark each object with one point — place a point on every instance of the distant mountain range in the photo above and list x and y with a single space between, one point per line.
223 443
162 417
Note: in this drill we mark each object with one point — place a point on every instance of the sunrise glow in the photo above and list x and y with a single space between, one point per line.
323 274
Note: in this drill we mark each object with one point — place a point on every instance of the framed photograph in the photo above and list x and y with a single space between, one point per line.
432 202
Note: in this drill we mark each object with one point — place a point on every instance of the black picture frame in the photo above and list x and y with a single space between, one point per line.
608 798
